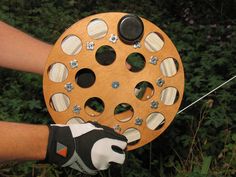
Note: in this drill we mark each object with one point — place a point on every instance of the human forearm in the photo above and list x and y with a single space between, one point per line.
23 141
20 51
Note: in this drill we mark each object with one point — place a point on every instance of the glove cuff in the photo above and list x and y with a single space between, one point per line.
61 145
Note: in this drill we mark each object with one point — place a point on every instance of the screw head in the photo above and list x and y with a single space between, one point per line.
74 64
138 121
76 109
115 84
90 45
68 86
160 82
137 45
154 104
113 38
153 60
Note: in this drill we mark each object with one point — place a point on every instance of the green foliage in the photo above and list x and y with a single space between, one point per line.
201 141
136 62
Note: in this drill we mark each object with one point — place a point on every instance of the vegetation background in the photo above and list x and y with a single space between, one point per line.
201 141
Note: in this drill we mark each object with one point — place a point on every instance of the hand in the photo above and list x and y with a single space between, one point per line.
87 147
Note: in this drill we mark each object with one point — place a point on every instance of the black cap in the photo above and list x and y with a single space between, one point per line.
130 29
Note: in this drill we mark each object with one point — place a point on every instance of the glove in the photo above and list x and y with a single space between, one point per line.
87 147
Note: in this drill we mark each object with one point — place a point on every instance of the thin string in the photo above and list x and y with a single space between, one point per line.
206 94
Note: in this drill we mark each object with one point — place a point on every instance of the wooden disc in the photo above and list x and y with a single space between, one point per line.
134 88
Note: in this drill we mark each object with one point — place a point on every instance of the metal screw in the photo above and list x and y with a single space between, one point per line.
137 45
115 84
153 60
76 109
68 86
154 104
138 121
160 82
90 45
117 128
113 38
74 64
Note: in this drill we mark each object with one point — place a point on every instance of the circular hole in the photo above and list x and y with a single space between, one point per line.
124 112
169 95
57 72
94 106
135 62
105 55
71 45
133 136
144 90
59 102
169 67
75 120
97 29
85 78
155 121
154 42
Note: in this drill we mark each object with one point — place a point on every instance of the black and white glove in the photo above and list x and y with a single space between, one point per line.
87 147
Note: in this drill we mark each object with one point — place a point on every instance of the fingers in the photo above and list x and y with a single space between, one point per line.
109 130
95 146
107 150
121 144
80 129
114 134
117 158
118 155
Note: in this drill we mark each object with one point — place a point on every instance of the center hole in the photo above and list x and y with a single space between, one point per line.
85 78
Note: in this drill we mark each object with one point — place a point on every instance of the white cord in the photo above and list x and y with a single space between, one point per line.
206 94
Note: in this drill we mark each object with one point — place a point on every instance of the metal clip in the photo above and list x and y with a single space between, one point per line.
74 64
160 82
137 45
117 128
90 45
76 109
153 60
138 121
154 104
113 38
68 86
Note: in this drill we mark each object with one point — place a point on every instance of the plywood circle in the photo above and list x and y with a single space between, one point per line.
136 96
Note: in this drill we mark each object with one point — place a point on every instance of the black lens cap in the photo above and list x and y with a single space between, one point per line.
130 29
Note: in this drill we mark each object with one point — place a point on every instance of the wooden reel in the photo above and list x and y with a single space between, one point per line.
119 70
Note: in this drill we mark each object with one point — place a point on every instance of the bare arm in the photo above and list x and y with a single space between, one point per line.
20 51
23 141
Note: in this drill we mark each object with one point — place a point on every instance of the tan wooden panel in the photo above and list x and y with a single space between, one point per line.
135 130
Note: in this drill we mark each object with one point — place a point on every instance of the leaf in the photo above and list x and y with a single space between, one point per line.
234 137
206 164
